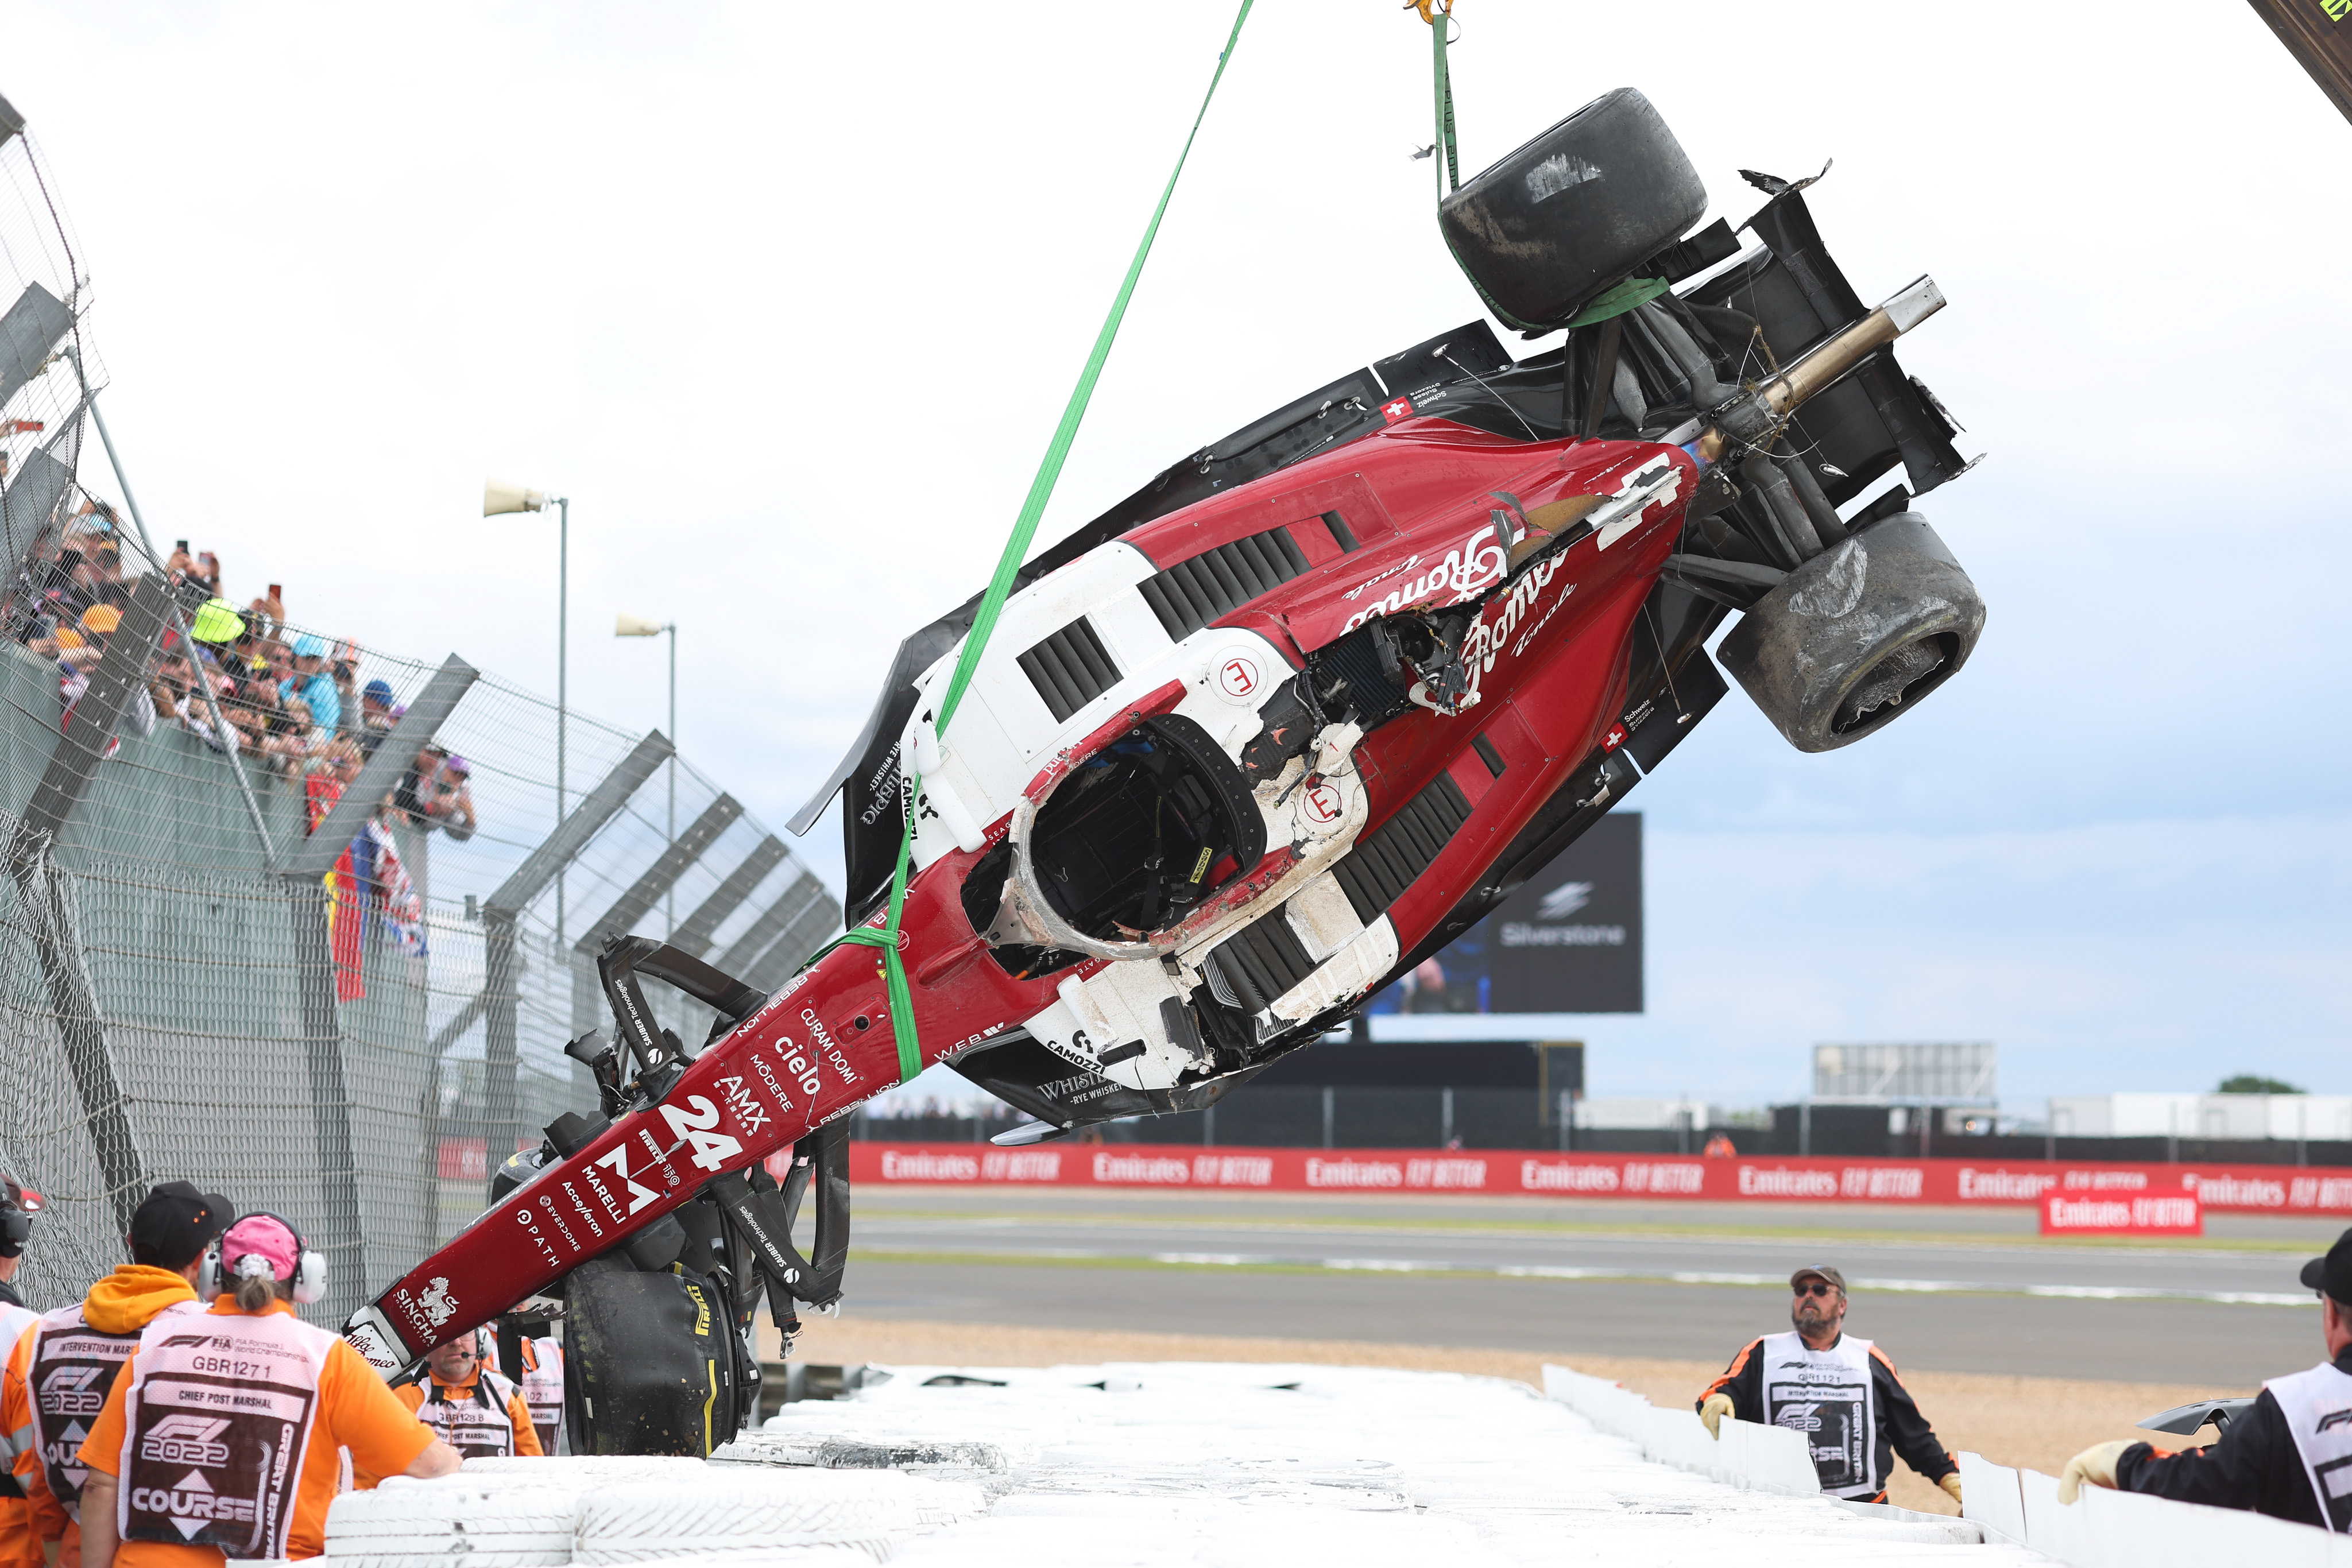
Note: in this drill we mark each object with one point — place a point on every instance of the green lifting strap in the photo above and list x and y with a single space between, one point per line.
1444 94
1632 294
999 588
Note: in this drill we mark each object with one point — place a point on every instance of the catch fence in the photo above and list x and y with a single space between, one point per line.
304 923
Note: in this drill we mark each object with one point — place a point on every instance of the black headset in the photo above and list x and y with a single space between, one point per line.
15 1218
310 1279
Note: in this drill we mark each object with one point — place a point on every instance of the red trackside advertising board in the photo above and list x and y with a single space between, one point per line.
2114 1214
2236 1189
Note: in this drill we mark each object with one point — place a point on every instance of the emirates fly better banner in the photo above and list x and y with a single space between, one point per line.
2243 1189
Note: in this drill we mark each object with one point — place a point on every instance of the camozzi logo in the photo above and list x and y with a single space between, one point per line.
1565 900
186 1440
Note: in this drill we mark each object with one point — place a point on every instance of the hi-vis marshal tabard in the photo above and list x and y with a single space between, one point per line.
1826 1397
217 1425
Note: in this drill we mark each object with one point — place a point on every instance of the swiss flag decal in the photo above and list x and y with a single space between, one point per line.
1614 738
1396 409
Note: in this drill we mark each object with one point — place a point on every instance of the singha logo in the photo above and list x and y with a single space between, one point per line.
438 1304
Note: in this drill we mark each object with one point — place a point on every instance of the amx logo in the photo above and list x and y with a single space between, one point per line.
68 1392
186 1440
1565 900
2332 1420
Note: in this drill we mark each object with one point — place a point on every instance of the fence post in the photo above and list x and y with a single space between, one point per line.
501 914
337 1233
1446 1118
73 998
1330 1104
1804 1128
1209 1127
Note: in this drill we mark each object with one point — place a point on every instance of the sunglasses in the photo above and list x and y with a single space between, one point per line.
1817 1288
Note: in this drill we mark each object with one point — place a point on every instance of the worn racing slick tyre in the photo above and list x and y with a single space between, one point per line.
1856 635
649 1365
1573 212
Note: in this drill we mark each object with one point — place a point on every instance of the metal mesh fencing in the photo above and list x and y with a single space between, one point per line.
305 923
355 1048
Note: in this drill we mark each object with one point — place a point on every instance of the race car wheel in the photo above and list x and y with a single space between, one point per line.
1857 635
1573 212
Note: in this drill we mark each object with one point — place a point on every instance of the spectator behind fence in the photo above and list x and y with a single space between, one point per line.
144 1500
313 684
438 792
376 715
452 808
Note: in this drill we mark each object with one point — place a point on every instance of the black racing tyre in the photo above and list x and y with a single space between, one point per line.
1573 212
649 1364
1857 635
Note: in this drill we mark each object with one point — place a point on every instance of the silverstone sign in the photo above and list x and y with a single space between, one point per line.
1569 940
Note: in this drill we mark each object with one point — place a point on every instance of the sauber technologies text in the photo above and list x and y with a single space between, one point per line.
1293 717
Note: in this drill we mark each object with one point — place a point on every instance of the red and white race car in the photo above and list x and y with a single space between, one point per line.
1294 716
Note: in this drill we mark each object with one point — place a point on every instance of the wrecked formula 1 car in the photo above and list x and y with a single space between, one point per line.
1282 725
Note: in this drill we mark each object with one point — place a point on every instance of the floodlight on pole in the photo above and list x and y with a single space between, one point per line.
499 497
627 625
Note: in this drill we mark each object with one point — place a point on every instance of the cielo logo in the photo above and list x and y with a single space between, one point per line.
1565 900
186 1440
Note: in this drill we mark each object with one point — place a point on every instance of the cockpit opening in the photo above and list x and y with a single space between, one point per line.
1144 830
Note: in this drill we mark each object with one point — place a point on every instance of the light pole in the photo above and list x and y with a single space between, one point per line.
498 497
627 625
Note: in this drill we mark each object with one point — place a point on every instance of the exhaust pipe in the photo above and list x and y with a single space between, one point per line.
1753 416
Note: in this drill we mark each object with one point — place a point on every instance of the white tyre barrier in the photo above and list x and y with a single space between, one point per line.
1761 1459
762 1512
2104 1529
490 1527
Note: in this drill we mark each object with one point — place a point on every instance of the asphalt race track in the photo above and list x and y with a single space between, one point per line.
1957 1291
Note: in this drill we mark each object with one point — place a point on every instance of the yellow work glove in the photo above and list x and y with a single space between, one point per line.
1951 1484
2095 1465
1712 1410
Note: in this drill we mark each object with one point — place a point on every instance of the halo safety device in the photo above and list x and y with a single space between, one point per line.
308 1274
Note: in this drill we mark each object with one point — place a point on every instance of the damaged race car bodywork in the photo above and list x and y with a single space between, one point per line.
1302 709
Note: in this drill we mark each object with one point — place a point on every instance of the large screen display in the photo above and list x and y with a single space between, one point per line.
1569 941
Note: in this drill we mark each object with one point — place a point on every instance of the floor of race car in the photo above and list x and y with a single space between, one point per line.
1214 1463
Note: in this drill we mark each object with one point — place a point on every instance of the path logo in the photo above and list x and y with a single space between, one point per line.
1565 900
439 1305
186 1440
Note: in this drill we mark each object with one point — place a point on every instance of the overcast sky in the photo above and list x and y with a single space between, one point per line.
788 302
